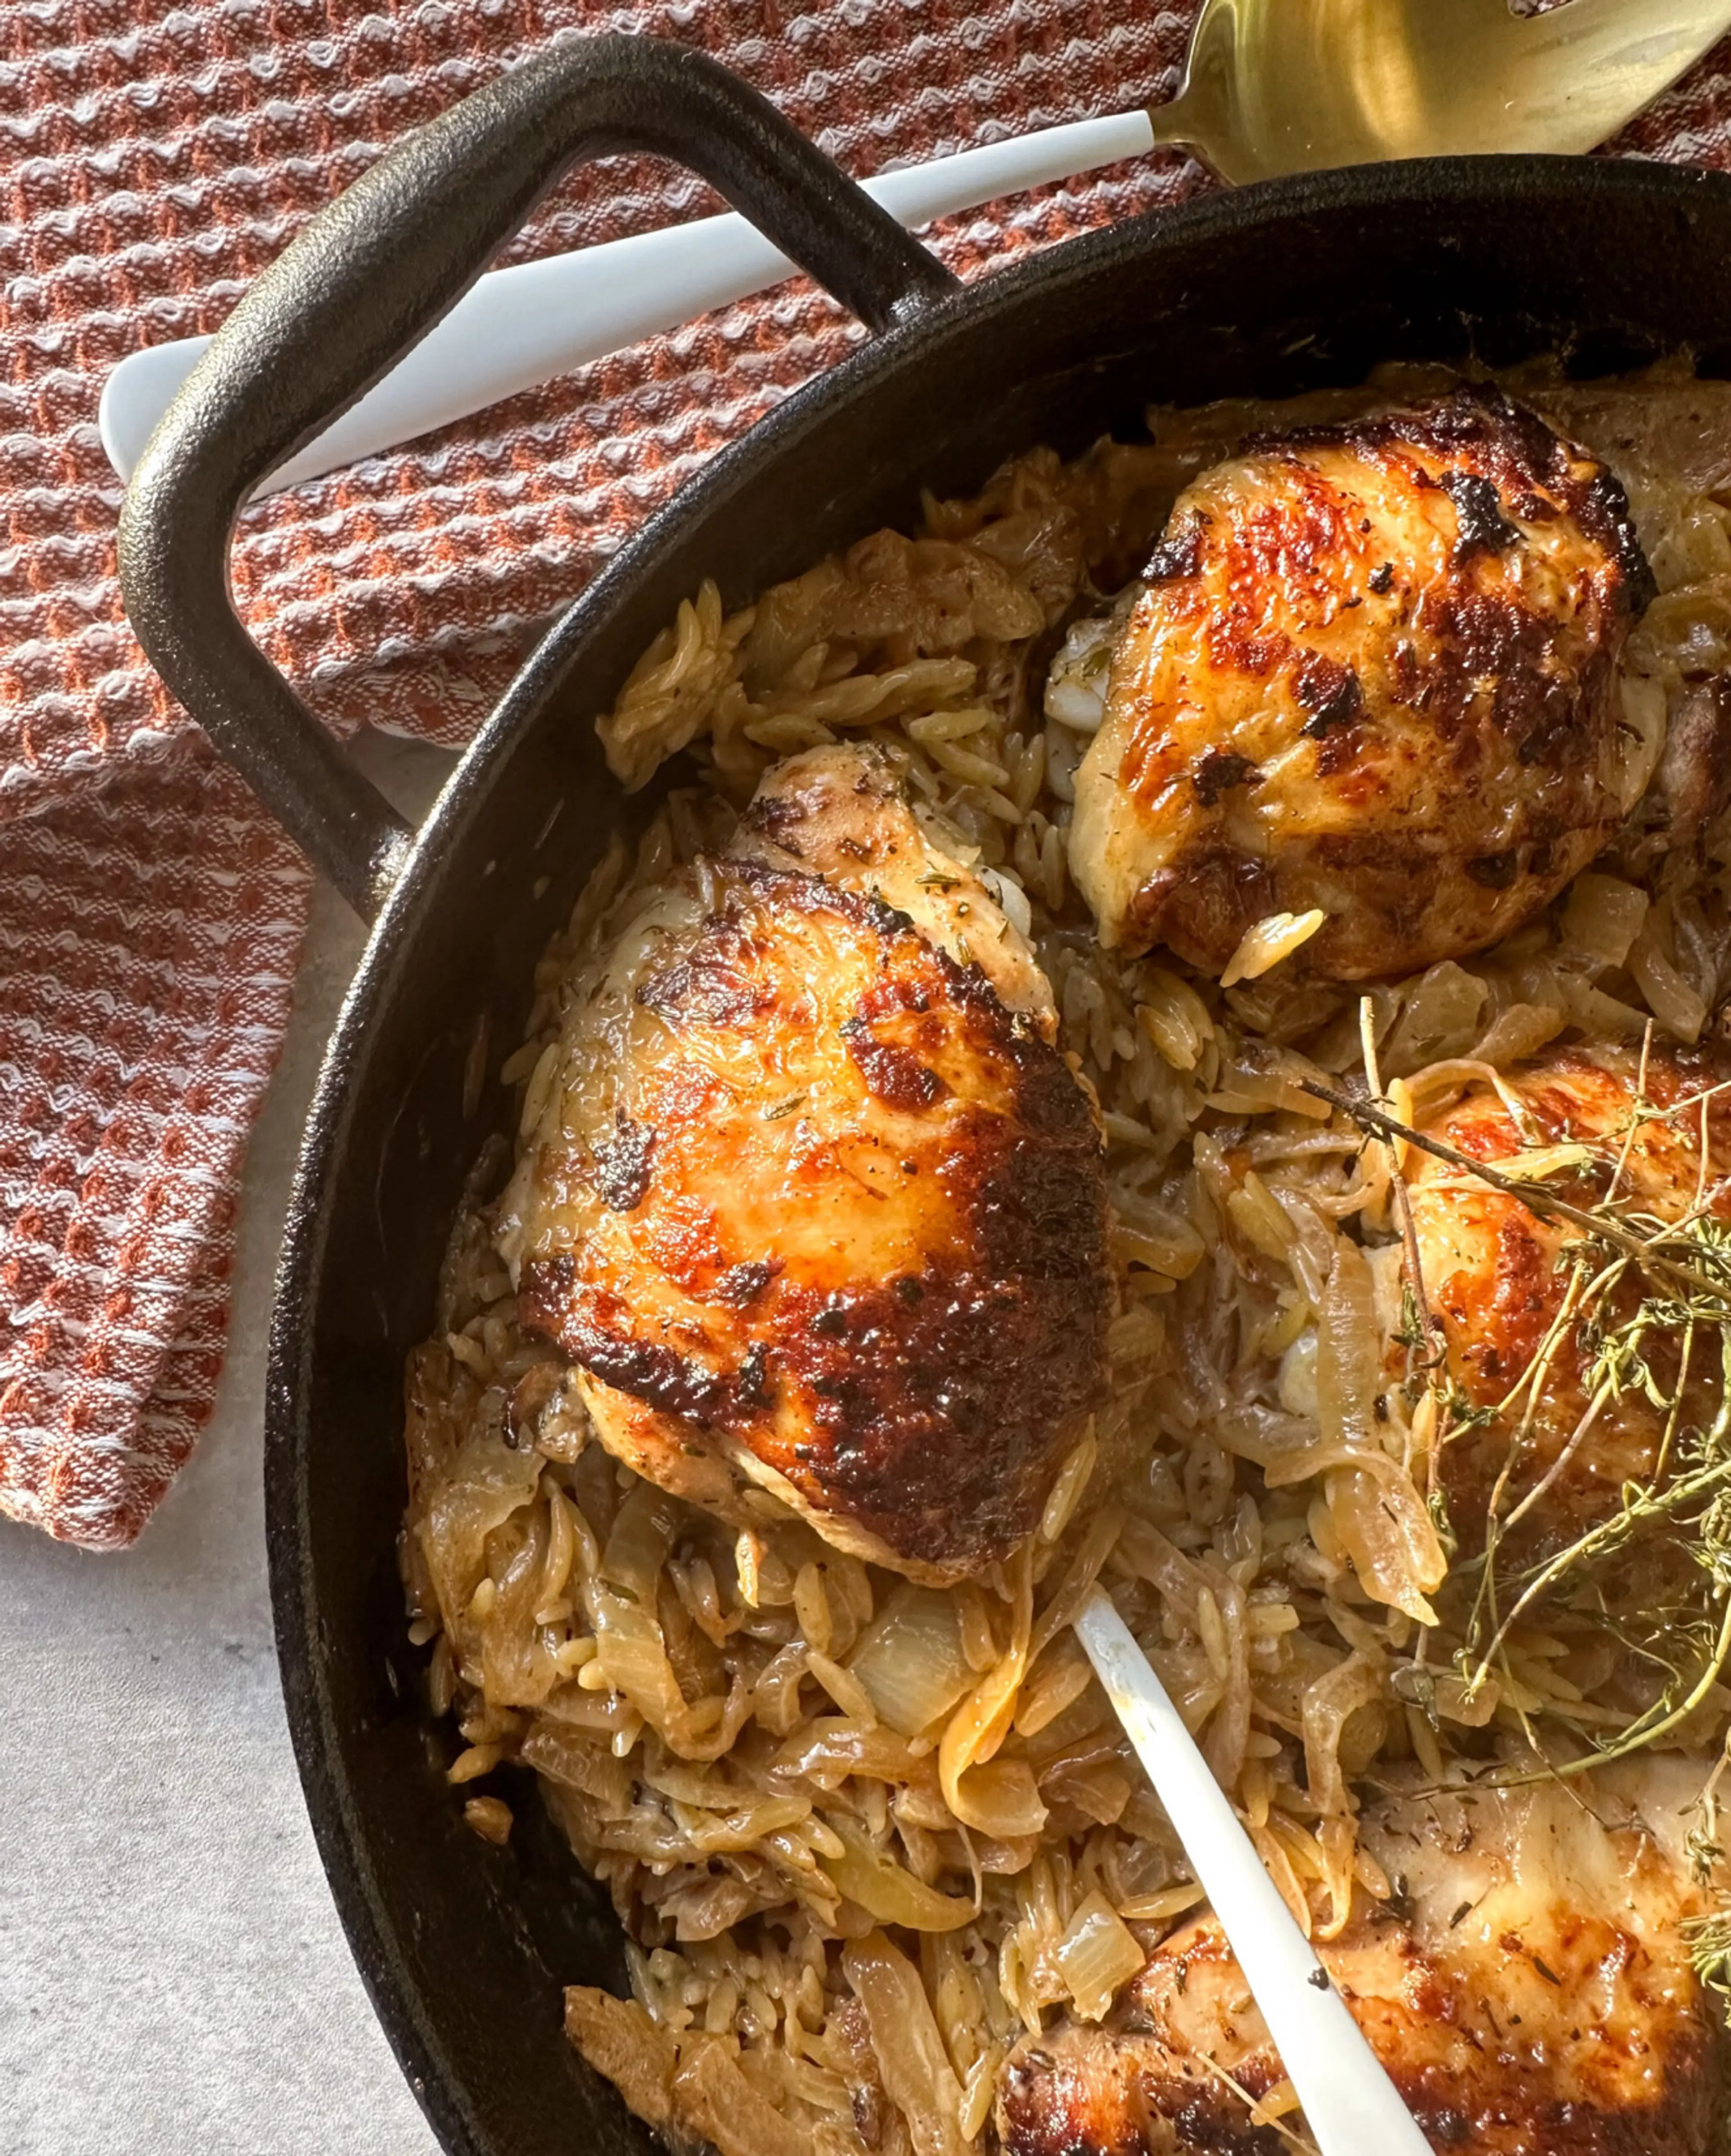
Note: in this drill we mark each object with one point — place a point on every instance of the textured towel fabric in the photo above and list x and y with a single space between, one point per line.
153 158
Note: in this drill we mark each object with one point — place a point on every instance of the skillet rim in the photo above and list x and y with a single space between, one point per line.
1476 184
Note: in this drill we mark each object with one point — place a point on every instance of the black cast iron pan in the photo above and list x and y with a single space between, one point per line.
1280 288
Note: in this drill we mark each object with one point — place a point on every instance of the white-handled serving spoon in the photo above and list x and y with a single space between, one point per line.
1270 86
1350 2105
517 327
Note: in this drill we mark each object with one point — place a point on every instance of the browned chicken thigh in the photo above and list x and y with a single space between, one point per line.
1528 1986
1502 1282
1374 673
816 1205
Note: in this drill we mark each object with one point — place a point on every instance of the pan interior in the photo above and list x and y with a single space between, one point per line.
464 1947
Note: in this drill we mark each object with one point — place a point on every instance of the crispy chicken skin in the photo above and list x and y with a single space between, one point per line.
817 1203
1527 1987
1495 1276
1374 670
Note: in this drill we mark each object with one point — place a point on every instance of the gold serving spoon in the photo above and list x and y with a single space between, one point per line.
1271 86
1275 86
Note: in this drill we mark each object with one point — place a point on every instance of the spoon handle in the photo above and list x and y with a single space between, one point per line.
518 327
1350 2105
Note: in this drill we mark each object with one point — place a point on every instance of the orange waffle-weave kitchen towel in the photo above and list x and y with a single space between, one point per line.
154 156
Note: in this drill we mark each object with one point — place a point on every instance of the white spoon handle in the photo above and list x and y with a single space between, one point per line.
1351 2106
517 327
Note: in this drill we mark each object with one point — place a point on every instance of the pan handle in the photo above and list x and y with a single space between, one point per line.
363 283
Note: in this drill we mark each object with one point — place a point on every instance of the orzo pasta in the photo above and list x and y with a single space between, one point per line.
751 1737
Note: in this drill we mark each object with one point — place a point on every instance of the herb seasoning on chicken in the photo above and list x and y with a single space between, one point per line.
1372 675
1525 1979
1567 1374
871 1217
816 1204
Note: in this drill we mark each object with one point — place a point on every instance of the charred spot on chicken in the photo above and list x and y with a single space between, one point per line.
817 1205
1373 670
1529 1991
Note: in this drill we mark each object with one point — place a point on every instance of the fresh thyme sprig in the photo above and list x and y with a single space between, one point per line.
1707 1935
1533 1195
1685 1265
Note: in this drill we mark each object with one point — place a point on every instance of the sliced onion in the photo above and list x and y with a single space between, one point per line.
775 1696
1098 1543
828 1751
1358 1682
1347 1337
1151 1557
620 2042
1390 1537
1100 1787
1282 1463
578 1709
722 1834
1457 1700
632 1656
516 1668
1096 1954
1338 1840
487 1483
1604 916
432 1426
713 2100
1440 1019
1277 1862
910 1659
710 1904
980 1724
917 2073
642 1534
1383 1522
1674 1000
1000 1799
886 1890
566 1757
1640 738
631 1650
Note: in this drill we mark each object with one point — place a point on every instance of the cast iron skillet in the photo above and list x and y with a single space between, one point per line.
463 1947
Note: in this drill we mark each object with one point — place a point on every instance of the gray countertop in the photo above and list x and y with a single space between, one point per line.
173 1974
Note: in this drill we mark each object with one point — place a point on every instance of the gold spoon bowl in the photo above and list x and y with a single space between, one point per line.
1275 86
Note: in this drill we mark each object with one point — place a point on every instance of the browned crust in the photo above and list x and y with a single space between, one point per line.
1496 1314
1471 2083
932 1408
1510 704
1525 460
